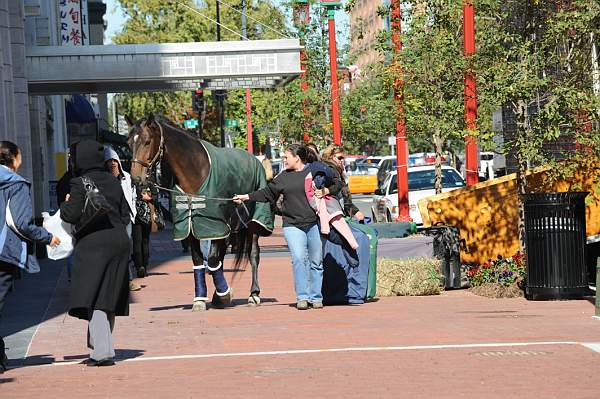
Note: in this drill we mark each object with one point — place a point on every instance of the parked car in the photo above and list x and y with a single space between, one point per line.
387 165
421 184
362 178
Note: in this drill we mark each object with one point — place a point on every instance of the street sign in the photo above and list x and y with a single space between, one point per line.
190 123
231 122
392 140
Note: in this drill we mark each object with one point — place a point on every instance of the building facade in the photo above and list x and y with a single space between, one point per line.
365 24
37 123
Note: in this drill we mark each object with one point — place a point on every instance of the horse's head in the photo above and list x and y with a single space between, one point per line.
146 143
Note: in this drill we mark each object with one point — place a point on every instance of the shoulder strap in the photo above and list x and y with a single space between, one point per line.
88 184
10 222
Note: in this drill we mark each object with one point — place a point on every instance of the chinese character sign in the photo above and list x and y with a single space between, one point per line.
73 22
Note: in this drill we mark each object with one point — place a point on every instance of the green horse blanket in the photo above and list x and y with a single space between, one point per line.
210 213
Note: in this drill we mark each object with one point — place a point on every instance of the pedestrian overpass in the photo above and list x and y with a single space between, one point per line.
161 67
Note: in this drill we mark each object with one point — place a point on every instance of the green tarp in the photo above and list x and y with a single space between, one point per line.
232 171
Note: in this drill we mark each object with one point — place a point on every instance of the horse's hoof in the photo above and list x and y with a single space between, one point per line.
253 300
199 306
222 301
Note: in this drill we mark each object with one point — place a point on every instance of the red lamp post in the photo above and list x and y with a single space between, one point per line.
249 121
301 18
470 94
331 6
401 144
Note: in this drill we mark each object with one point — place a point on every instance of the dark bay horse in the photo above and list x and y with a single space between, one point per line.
197 166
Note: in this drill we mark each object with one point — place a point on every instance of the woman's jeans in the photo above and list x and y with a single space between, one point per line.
306 249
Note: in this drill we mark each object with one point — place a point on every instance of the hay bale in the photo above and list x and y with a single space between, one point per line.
490 290
408 277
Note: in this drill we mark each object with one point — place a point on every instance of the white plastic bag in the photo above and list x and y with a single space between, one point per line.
55 225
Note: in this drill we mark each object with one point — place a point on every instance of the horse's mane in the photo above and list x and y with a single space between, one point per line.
168 123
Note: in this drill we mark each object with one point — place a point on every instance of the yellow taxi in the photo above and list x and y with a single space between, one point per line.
362 176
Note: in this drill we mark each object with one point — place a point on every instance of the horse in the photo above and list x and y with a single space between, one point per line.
201 206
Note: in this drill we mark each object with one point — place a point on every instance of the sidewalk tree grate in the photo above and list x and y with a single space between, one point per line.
510 353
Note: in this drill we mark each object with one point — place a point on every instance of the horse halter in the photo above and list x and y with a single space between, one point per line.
157 157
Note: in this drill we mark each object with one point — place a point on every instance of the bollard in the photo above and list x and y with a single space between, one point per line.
597 284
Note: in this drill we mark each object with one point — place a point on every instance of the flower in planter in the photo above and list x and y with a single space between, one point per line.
503 271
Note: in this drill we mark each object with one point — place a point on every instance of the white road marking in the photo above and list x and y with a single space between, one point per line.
595 346
592 346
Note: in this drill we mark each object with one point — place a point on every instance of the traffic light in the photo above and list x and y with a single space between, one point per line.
198 100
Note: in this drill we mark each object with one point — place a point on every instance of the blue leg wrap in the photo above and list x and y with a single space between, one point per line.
200 283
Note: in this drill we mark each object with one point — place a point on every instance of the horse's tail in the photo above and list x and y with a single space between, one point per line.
242 241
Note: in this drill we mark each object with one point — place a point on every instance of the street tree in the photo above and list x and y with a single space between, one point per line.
538 65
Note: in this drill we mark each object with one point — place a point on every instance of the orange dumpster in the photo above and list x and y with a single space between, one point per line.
487 214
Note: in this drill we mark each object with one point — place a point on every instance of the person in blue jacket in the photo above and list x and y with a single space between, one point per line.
17 230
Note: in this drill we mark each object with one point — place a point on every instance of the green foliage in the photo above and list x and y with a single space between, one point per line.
167 21
537 62
368 112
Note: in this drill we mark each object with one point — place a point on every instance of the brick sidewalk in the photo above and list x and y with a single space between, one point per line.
452 345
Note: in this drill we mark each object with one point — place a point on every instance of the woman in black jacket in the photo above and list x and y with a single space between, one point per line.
99 284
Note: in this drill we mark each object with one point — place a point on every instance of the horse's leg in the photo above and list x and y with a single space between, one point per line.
254 299
222 295
201 294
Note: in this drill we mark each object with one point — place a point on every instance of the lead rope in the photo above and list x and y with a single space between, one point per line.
204 197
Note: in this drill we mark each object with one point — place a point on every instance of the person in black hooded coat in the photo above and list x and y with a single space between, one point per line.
99 284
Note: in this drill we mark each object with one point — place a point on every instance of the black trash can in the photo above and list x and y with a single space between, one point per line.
555 243
446 247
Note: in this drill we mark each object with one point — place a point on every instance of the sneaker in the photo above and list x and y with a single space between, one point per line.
317 305
134 287
302 305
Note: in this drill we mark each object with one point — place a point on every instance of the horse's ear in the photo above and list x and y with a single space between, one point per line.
150 119
129 120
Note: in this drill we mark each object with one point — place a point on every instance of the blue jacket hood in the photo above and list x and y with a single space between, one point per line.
8 177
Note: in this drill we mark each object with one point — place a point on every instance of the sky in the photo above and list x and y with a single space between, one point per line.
115 20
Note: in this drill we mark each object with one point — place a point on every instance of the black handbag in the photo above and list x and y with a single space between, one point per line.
143 215
95 209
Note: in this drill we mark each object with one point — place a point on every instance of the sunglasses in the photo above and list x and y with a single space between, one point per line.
341 157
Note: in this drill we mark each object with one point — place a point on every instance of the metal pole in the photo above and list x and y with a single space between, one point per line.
301 19
220 93
249 121
218 22
470 94
248 94
335 98
304 88
401 144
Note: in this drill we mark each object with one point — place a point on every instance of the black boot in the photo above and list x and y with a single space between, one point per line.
141 272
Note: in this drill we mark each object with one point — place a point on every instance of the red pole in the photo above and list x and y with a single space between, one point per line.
470 94
249 120
401 144
335 99
304 88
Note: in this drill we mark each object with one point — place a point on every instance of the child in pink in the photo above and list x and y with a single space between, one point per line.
328 208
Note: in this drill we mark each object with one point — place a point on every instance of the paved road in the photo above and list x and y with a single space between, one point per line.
452 345
363 202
